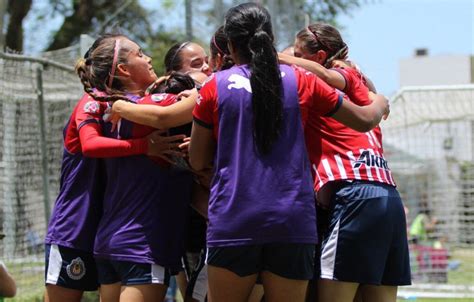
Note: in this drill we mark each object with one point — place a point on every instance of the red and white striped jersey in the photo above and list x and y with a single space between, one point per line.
337 152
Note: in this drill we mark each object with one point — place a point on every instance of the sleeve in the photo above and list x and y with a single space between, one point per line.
355 88
88 111
205 109
93 144
160 99
316 95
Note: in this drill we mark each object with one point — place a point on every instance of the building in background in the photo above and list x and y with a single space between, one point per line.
424 70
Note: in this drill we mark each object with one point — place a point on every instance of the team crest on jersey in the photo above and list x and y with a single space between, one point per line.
199 100
76 270
92 107
158 97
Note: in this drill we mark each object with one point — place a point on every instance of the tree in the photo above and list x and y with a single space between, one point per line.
289 16
17 11
99 16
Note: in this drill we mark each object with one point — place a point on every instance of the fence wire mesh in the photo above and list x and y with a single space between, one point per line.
429 142
29 164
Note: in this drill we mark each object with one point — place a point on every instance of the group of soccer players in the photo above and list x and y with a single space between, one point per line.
276 140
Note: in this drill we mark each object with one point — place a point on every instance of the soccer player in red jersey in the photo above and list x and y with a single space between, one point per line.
70 267
353 180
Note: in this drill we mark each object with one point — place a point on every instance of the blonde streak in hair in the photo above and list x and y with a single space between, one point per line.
336 56
80 64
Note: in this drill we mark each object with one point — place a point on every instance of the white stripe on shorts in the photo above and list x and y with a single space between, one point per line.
55 262
328 254
200 287
158 274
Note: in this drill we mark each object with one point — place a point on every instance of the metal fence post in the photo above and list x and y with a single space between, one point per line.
42 127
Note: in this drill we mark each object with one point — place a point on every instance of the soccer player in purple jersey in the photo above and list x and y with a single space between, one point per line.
249 121
70 267
133 251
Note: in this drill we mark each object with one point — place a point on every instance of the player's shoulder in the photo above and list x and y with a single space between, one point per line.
162 99
88 105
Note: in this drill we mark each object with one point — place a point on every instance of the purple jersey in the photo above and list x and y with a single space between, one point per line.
145 207
77 209
258 199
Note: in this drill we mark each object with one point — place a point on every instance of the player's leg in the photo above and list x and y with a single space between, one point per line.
225 285
280 289
397 262
110 292
143 293
232 272
182 282
109 279
69 272
142 282
331 290
287 269
55 293
378 293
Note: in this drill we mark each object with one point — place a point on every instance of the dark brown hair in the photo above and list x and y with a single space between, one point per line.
218 45
248 27
321 36
173 60
95 68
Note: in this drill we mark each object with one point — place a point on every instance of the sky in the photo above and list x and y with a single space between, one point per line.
382 33
379 33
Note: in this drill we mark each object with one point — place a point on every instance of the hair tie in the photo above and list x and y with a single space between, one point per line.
114 63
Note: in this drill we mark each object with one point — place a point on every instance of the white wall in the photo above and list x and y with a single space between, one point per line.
436 70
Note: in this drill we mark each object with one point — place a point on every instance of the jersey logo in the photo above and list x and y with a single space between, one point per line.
76 270
370 160
158 97
199 100
239 82
92 107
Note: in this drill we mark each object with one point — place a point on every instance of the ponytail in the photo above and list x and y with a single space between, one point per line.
265 81
248 27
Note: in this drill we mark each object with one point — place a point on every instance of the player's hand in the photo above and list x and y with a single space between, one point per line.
187 93
165 147
155 84
184 147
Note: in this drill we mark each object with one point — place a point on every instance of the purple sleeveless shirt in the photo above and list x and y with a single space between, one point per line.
78 207
145 207
259 199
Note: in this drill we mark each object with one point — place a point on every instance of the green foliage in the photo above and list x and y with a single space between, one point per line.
158 44
99 16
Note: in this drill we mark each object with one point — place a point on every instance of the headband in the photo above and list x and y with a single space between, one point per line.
317 38
114 63
177 52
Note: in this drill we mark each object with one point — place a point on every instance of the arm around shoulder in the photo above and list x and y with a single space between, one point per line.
364 118
158 117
